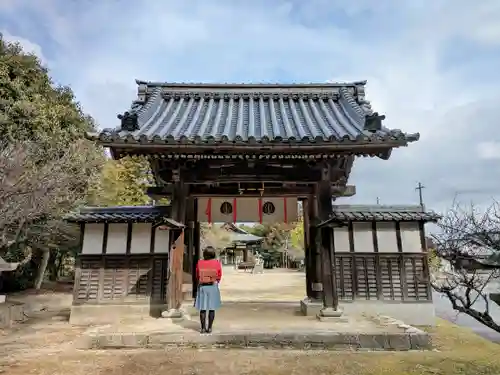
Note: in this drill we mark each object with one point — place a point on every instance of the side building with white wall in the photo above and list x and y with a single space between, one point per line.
381 264
121 269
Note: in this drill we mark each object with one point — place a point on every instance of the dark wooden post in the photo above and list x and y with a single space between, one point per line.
307 246
190 220
175 274
314 252
325 207
196 248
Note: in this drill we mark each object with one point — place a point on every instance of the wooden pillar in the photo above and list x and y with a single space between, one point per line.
307 246
175 274
325 207
314 252
245 255
190 221
196 248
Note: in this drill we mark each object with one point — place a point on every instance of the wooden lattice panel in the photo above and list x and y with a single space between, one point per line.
114 281
344 276
416 278
366 278
390 273
139 272
87 282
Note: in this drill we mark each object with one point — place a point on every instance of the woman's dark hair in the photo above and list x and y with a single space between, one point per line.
209 253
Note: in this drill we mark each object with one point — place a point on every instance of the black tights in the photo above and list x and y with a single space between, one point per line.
203 319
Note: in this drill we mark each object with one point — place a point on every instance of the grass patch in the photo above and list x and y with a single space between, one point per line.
457 351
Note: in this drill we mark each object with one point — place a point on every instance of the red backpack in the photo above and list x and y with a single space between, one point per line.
207 275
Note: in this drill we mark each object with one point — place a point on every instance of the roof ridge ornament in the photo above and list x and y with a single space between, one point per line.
129 121
373 122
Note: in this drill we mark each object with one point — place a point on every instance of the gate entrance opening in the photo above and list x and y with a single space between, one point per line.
250 152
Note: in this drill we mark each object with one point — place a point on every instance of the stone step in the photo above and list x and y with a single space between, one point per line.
320 340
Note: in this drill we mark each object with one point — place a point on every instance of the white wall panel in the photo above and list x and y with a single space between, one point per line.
363 238
162 241
386 236
341 240
92 238
117 239
141 238
410 237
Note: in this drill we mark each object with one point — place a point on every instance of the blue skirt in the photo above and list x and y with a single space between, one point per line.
208 297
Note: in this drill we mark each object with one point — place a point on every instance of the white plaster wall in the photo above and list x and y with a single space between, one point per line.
363 238
92 239
162 240
417 314
410 237
341 240
141 238
117 239
386 237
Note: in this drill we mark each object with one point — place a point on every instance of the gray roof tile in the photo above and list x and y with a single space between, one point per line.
343 213
252 113
145 214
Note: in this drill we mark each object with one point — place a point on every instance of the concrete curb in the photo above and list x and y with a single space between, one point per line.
297 340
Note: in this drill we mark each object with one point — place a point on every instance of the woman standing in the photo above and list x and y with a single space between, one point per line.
209 274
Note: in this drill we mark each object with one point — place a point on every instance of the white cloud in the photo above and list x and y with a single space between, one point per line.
489 150
404 50
27 45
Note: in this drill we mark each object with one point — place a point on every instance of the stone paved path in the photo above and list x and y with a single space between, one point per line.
272 285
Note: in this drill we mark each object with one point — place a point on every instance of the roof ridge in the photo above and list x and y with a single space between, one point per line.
248 84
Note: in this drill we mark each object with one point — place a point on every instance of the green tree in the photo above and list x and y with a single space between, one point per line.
122 183
275 236
297 235
46 165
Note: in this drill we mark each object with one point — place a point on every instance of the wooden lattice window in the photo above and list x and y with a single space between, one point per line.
87 284
344 276
417 279
138 278
114 284
366 278
390 273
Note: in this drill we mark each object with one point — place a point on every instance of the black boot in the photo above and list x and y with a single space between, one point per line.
203 320
211 317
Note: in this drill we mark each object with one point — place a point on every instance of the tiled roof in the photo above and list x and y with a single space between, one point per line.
380 213
240 237
145 214
252 113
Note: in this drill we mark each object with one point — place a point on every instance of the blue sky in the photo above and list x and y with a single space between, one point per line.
431 66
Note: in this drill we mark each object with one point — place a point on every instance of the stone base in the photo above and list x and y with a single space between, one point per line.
112 314
310 307
176 315
414 313
330 315
10 313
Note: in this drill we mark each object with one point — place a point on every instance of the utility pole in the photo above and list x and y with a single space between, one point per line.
420 187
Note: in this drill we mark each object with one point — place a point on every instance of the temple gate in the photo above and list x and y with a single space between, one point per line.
250 152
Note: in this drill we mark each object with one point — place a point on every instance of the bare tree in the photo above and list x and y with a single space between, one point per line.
215 236
468 245
36 190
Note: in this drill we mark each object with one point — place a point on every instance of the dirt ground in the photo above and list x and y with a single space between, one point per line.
45 345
